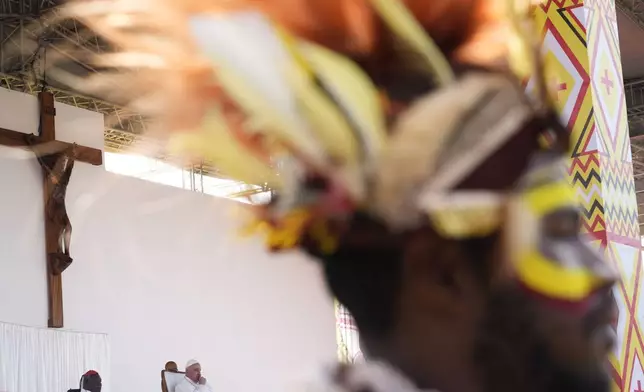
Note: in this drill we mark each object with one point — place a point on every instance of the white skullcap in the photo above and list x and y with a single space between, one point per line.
191 363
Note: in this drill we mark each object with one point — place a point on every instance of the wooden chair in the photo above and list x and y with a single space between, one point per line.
170 379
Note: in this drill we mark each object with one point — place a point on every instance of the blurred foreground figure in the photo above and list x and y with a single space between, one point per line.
407 159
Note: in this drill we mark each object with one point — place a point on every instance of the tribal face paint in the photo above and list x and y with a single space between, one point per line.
544 237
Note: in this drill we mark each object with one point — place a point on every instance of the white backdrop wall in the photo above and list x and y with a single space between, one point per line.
160 270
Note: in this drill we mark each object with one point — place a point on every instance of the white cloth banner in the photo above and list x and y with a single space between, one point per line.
50 360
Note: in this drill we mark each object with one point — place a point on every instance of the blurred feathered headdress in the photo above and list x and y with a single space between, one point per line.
318 134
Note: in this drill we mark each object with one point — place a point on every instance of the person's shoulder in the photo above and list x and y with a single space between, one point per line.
372 376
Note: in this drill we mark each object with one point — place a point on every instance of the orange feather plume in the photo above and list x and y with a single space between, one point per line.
470 30
171 81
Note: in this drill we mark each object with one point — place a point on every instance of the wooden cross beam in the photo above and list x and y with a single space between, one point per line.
45 146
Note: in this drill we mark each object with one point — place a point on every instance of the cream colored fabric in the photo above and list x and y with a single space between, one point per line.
50 360
186 385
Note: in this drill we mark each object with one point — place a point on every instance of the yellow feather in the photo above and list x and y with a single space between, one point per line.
405 25
215 143
265 118
324 117
353 89
520 51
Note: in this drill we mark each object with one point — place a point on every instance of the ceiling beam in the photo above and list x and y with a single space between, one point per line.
634 89
16 49
634 96
633 9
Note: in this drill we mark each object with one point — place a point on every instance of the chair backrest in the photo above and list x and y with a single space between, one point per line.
170 380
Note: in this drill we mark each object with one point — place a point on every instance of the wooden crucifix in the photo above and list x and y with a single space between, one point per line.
56 160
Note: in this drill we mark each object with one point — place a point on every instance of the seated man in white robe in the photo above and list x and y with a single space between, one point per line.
193 381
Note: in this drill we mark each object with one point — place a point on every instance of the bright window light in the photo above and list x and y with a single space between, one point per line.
157 171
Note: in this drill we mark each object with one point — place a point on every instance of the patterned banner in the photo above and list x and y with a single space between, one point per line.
581 46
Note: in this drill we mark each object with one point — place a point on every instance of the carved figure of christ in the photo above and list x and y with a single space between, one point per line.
56 160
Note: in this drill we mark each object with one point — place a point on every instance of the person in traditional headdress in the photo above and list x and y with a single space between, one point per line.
407 158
